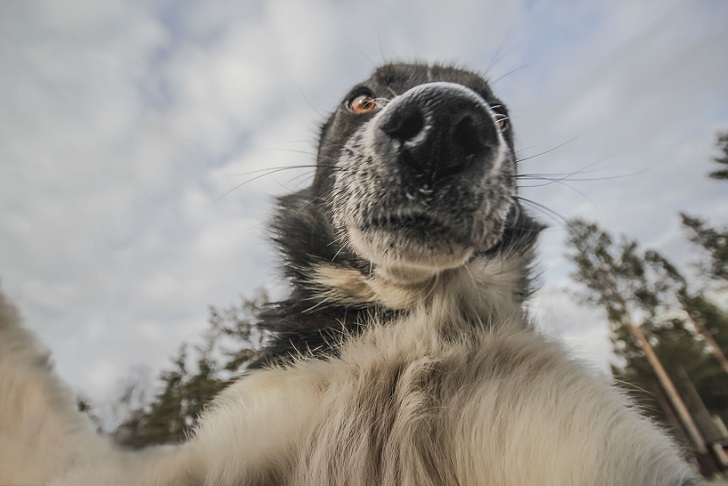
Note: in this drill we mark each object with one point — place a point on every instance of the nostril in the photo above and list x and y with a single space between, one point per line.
405 123
468 137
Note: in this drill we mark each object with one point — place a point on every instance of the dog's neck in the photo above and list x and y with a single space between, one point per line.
336 295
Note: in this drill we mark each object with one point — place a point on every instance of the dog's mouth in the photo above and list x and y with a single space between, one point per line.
412 246
418 225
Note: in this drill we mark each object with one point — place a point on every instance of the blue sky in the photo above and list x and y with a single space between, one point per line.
122 124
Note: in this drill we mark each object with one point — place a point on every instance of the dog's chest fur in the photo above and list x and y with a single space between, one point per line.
414 404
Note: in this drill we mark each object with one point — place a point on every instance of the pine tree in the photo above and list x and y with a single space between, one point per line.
675 298
650 332
723 158
189 384
714 242
643 293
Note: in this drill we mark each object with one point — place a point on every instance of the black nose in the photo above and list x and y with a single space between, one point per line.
439 129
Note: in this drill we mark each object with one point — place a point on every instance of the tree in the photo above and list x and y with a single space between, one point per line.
618 278
661 329
723 158
713 318
705 317
714 242
229 343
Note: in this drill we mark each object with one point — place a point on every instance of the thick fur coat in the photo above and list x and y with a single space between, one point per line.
404 354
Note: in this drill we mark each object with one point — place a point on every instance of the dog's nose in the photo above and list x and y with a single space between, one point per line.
439 129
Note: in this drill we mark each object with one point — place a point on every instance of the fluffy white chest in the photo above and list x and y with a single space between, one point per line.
406 404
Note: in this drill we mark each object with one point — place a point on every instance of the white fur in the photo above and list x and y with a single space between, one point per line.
483 287
42 435
40 431
416 402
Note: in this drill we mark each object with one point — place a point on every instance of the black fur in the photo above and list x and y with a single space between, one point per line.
304 232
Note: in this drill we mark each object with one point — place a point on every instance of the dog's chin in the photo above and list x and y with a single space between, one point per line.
408 260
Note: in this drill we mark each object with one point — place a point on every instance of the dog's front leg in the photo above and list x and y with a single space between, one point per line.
254 428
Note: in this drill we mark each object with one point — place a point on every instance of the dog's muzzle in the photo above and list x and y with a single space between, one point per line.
427 182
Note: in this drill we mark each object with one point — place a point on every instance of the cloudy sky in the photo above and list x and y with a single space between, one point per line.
123 123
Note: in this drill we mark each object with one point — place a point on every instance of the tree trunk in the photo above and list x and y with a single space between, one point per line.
677 403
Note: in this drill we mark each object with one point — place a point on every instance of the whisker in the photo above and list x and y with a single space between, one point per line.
550 150
565 177
497 56
545 210
304 179
251 172
308 101
510 72
270 171
568 186
238 186
328 158
546 177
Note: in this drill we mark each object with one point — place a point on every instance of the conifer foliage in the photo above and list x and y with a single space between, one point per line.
193 378
668 326
723 158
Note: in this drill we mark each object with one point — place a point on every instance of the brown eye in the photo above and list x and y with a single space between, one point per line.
501 119
502 122
363 103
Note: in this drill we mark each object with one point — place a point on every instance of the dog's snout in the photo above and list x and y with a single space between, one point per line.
467 135
439 129
404 123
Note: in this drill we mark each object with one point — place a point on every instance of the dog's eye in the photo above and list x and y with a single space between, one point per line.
502 122
501 119
362 103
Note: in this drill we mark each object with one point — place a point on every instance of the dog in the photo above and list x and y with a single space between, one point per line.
404 354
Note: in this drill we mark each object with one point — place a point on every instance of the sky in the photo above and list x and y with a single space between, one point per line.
124 125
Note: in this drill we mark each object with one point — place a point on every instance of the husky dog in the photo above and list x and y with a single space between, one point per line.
403 355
